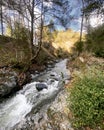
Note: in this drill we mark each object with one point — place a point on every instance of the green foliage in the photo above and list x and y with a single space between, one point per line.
20 32
79 46
92 5
100 53
13 51
5 39
42 58
95 40
87 99
20 66
61 53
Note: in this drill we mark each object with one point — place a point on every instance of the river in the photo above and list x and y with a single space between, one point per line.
18 109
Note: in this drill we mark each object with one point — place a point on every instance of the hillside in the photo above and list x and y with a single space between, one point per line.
66 40
12 51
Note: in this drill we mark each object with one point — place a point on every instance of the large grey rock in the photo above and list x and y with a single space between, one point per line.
8 81
41 86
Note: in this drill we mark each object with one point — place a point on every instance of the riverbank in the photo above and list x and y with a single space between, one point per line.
13 79
58 115
86 97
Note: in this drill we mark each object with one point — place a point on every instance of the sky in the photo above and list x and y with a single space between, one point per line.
74 10
76 22
95 19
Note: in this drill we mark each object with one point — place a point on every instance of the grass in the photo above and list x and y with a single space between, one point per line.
86 93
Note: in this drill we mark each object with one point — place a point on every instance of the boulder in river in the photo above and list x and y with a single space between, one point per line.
41 86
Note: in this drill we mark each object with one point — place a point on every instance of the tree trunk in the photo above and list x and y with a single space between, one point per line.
81 27
81 30
41 34
32 29
1 11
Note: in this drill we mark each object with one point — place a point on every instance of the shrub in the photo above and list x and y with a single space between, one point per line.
61 53
79 46
100 53
95 40
87 99
20 32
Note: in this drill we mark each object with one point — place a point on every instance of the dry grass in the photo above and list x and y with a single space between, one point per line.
84 62
66 40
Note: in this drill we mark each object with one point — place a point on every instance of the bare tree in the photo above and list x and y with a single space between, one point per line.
81 30
41 31
32 12
1 16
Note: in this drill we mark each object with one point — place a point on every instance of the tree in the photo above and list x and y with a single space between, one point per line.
41 32
26 10
94 5
1 16
88 7
82 21
33 13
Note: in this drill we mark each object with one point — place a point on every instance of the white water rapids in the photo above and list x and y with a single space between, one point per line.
15 109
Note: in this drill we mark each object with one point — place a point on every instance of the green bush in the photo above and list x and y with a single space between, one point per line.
79 46
100 53
61 53
95 40
87 99
20 32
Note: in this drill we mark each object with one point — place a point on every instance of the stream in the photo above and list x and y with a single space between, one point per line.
17 112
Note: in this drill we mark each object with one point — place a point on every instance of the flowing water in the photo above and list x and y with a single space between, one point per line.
17 108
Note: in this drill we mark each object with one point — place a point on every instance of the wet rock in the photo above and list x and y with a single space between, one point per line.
34 68
36 72
40 80
56 60
24 78
57 79
41 86
48 69
50 81
8 82
50 62
33 76
53 74
49 66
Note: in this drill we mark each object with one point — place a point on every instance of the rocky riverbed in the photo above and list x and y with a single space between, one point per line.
31 109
